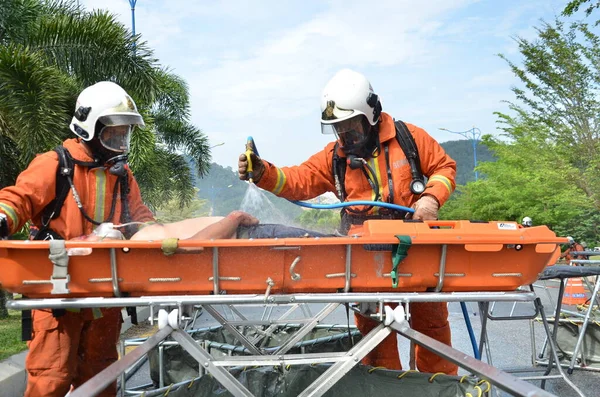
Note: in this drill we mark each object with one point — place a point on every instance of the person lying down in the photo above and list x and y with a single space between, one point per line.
237 224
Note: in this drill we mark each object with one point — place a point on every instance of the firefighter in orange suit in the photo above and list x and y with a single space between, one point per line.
69 347
377 170
574 246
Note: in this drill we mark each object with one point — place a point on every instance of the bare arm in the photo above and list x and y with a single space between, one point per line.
226 227
201 228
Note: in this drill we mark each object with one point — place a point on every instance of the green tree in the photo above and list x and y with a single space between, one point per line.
49 52
462 152
4 296
173 211
225 192
548 159
325 221
528 179
573 6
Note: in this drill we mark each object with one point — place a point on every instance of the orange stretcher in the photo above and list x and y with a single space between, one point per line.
445 256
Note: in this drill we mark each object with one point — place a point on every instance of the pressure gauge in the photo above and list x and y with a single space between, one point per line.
417 186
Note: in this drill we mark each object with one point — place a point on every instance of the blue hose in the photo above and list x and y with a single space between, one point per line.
353 203
476 352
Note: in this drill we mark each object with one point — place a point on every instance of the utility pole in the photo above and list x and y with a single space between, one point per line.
132 3
474 135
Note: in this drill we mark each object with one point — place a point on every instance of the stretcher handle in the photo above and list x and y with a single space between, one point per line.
198 250
437 224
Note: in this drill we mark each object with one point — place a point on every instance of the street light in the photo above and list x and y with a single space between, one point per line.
474 135
132 3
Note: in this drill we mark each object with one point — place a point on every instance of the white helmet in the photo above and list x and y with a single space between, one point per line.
349 109
527 222
571 240
346 95
106 103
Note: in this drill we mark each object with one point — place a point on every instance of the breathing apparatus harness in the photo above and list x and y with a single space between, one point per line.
339 164
64 184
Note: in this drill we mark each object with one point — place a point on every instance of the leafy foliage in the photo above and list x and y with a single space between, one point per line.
172 211
548 159
224 193
324 221
49 52
462 152
574 5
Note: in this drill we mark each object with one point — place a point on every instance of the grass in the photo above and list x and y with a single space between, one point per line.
10 335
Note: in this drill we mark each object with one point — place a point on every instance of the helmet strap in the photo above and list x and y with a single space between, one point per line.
374 102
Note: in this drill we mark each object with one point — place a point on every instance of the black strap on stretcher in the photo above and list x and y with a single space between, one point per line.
26 325
401 252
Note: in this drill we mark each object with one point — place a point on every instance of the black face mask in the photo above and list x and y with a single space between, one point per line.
115 160
364 149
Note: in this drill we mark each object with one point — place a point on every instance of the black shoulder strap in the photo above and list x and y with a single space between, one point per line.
338 168
63 172
409 147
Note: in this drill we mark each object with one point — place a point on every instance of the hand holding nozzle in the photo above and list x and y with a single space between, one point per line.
250 166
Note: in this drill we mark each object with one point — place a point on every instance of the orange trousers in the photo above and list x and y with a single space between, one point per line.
429 318
69 350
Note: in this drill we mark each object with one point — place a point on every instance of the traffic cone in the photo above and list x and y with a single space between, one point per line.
574 292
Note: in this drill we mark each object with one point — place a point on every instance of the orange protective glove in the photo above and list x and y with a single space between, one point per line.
426 208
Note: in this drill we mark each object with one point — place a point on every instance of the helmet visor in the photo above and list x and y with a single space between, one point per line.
116 137
350 132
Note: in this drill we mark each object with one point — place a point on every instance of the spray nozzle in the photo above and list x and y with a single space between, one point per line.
250 149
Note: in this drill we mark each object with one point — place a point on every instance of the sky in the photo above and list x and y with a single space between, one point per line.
258 68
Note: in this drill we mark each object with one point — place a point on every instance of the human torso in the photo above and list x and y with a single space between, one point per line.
95 187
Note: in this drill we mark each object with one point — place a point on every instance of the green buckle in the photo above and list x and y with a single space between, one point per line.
404 243
169 246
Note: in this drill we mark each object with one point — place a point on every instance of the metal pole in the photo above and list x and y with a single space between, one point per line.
132 3
501 379
475 142
218 299
102 380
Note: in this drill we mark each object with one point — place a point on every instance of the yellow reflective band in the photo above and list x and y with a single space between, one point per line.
374 164
100 194
444 180
11 213
280 182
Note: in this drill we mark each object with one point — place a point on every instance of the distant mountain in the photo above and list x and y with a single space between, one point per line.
225 192
462 152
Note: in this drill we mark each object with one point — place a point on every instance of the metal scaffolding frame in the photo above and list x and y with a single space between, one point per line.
391 320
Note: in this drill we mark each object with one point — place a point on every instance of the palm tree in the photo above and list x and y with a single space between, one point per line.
49 52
